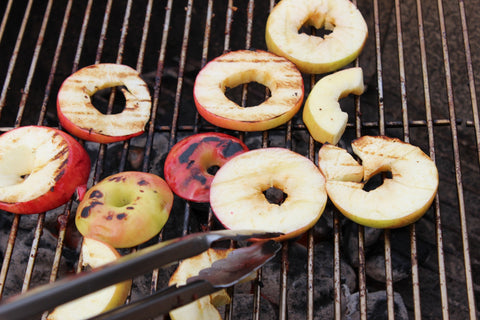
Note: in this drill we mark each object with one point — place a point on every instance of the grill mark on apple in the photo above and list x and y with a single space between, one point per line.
117 179
143 182
231 148
185 156
122 216
96 194
86 211
130 208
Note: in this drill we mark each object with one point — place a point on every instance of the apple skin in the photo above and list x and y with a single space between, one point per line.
314 54
95 254
240 67
187 163
125 209
322 115
71 176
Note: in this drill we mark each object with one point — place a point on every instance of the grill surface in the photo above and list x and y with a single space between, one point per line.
419 69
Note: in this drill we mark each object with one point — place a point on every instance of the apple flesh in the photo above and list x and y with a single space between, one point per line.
322 115
240 192
125 209
398 201
190 164
315 54
78 115
243 66
94 254
205 307
40 169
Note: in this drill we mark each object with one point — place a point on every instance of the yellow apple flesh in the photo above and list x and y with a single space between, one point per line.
398 201
95 254
315 54
322 115
205 307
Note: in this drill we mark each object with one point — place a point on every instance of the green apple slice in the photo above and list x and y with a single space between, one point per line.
398 201
322 115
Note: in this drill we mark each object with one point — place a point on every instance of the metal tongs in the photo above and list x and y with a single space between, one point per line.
222 274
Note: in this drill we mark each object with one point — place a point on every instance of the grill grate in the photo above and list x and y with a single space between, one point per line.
419 64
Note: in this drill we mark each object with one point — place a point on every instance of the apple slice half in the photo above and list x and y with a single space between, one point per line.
205 307
322 115
40 169
316 54
95 254
79 116
270 189
398 201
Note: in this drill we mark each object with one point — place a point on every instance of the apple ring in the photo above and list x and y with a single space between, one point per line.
239 67
239 192
125 209
78 115
315 54
188 164
398 201
40 169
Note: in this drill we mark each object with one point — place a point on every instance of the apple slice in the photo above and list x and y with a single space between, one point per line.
271 189
125 209
322 115
78 115
243 66
205 307
40 169
399 201
316 54
94 254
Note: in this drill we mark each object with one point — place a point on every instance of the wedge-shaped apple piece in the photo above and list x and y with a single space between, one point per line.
322 115
398 201
271 189
316 54
95 254
204 308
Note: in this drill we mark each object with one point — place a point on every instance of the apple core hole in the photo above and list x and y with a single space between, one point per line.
212 170
275 195
377 180
321 32
120 198
256 93
101 100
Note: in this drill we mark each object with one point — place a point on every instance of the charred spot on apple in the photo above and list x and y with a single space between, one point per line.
96 194
86 210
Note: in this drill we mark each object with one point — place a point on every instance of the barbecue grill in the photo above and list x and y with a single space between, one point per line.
419 65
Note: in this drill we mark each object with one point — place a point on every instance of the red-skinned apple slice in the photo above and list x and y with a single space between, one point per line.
399 201
243 66
240 194
322 115
316 54
125 209
94 254
190 163
78 115
40 169
205 307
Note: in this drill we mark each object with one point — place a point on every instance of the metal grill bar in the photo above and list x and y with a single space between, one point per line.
162 46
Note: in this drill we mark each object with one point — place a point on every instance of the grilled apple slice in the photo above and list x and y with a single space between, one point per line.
322 115
316 54
239 67
398 201
78 115
40 169
271 189
205 307
95 254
